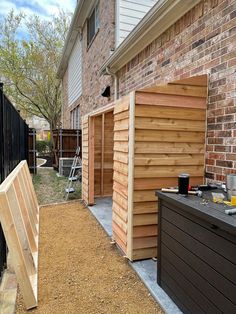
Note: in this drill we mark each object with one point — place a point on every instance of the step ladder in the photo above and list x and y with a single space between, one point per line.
75 174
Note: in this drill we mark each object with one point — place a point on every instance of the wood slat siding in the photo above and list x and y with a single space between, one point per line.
103 154
198 263
169 140
108 154
97 155
120 174
85 162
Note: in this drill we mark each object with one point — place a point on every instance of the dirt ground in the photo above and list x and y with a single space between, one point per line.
80 272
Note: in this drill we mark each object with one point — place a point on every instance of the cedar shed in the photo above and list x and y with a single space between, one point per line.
138 144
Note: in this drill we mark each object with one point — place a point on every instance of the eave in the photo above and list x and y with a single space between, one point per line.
82 10
163 14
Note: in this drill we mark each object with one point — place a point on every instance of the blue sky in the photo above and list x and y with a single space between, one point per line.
43 8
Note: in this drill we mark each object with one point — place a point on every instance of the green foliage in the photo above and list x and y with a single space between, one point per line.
28 66
43 147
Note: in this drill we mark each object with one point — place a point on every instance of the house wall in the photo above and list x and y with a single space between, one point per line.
93 57
203 41
128 15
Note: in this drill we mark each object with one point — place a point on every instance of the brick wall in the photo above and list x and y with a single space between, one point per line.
202 41
93 58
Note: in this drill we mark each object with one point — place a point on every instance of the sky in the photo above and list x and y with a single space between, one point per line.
42 8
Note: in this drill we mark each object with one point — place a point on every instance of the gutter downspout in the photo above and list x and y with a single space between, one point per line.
114 75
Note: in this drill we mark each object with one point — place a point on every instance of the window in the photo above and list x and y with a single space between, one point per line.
75 118
93 24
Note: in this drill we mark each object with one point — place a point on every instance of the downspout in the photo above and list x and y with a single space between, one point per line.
114 75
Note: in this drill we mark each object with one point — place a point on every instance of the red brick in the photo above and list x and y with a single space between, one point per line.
220 177
216 156
231 156
215 140
219 148
224 163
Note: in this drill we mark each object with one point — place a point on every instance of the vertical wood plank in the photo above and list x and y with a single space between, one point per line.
32 217
102 155
16 251
16 213
31 188
91 161
131 176
25 216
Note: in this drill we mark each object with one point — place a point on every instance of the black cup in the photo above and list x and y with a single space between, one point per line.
183 182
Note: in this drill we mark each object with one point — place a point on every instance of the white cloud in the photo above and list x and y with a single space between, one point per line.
42 8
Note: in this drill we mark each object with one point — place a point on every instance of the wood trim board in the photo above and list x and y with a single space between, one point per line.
19 217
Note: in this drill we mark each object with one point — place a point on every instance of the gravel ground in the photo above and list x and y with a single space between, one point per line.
80 272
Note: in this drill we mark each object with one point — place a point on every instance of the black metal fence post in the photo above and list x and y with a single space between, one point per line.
13 149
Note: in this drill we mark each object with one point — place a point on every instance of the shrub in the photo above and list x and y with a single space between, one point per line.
43 147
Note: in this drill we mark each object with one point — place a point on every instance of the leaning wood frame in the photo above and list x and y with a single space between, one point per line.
19 217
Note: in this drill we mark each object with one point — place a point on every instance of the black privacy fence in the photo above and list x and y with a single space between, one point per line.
13 149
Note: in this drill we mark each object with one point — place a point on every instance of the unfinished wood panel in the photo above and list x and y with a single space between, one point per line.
168 124
144 253
178 89
145 231
19 220
97 154
169 160
157 147
103 154
158 183
169 140
85 161
156 111
169 136
170 171
108 153
170 100
145 219
120 174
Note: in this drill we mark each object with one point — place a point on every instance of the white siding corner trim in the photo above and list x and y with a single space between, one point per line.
128 15
75 72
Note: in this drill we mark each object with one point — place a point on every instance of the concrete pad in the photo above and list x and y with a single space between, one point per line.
146 269
147 272
102 211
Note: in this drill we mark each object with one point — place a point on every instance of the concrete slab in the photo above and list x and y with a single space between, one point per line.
146 269
102 211
147 272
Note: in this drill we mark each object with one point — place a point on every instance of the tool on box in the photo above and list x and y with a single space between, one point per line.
171 190
231 211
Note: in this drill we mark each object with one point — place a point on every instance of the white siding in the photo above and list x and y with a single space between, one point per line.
75 72
128 15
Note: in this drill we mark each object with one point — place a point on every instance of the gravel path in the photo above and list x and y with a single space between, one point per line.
80 272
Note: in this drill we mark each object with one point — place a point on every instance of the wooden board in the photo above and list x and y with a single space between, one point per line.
19 217
120 174
169 139
85 159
